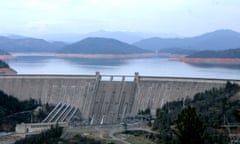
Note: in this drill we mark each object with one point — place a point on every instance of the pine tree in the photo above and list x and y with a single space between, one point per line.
189 129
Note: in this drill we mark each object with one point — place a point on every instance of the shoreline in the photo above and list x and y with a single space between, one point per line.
97 56
220 61
6 57
7 71
174 57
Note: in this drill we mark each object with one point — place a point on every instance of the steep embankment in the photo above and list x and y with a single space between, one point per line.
230 56
5 69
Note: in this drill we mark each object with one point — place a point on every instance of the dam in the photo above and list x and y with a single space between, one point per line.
104 98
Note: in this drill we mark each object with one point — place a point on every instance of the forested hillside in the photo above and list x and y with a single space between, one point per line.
102 46
230 53
216 107
3 64
13 111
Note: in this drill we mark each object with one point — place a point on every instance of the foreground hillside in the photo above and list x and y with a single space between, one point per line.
216 107
102 46
13 111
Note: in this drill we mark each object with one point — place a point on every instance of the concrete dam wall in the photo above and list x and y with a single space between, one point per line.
105 101
77 91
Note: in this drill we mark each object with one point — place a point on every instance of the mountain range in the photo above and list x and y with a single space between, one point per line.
127 37
217 40
25 44
124 36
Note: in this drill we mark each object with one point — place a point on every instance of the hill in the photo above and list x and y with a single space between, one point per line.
28 45
230 53
124 36
102 46
215 106
217 40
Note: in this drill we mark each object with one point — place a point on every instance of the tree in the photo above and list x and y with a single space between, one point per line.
189 129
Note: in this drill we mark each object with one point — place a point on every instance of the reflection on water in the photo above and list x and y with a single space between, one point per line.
97 62
145 66
78 61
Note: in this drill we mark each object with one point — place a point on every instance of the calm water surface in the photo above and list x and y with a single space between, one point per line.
145 66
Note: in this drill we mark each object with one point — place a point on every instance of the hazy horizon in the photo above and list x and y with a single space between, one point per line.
174 17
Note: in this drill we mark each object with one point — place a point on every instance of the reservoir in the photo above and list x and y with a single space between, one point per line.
158 66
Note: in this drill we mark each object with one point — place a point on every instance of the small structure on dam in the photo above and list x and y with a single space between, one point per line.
106 99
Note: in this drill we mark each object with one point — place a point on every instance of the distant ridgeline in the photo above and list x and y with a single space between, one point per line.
24 44
217 40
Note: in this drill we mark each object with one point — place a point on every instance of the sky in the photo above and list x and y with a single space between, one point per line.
180 17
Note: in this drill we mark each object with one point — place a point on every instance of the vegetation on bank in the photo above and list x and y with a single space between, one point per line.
53 136
3 64
214 108
230 53
13 111
189 129
188 121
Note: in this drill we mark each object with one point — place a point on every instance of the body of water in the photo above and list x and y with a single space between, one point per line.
145 66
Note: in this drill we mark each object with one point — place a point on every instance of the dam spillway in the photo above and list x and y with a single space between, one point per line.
103 100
